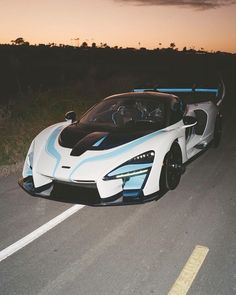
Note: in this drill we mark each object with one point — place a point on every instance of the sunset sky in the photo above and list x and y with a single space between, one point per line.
208 24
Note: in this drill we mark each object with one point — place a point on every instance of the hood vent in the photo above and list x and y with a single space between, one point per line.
87 143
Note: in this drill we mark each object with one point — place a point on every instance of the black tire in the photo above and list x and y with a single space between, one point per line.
217 131
172 168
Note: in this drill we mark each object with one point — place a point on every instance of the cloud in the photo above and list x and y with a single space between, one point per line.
197 4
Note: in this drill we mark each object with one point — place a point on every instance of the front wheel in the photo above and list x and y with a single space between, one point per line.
172 168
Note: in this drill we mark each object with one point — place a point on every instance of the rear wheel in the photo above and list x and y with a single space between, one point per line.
172 168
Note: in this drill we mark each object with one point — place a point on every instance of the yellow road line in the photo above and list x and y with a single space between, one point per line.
189 272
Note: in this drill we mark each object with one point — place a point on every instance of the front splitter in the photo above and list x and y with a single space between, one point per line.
64 192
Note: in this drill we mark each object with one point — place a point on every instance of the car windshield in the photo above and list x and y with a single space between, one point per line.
126 112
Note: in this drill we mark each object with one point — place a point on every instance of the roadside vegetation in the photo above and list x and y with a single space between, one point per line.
21 121
39 84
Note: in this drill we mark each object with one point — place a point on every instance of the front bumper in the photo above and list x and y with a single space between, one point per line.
88 195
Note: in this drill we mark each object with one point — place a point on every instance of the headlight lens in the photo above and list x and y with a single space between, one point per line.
136 166
147 157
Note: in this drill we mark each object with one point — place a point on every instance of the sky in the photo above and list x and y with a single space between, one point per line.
208 24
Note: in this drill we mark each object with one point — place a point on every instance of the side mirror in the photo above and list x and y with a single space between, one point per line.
189 121
70 116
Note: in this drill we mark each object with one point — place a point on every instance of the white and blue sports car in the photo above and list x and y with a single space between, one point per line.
126 148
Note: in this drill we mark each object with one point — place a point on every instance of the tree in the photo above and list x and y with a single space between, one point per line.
104 45
52 44
19 41
172 45
84 44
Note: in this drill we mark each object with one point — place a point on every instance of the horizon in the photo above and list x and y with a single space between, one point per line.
199 25
107 46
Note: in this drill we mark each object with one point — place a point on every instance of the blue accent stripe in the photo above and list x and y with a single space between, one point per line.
50 147
135 183
179 90
131 193
121 150
186 90
99 141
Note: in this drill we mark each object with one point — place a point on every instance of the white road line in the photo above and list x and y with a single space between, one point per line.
189 272
38 232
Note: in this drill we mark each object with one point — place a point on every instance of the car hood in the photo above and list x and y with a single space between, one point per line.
80 138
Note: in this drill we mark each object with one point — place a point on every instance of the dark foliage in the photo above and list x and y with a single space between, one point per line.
26 69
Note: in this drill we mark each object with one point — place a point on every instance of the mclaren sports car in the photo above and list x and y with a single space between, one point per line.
126 149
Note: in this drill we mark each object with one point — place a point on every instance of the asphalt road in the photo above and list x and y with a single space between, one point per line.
137 249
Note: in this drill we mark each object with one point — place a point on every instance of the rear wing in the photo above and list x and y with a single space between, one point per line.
192 95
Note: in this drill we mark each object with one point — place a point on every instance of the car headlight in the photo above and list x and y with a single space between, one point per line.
139 165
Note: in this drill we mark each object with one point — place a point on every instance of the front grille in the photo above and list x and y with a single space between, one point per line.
76 193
